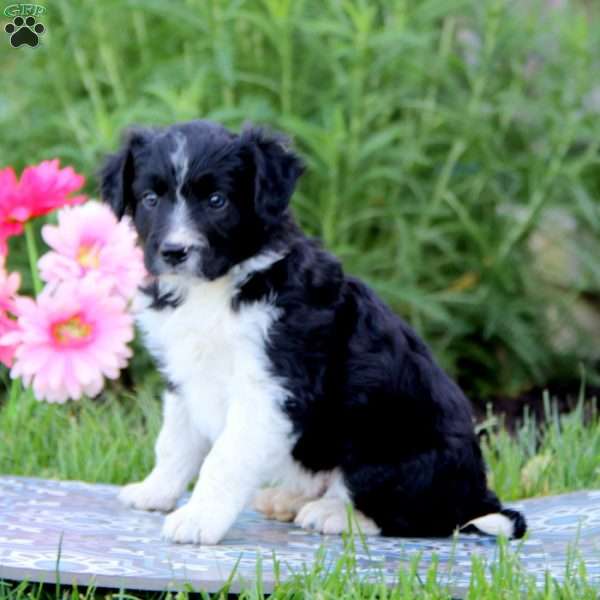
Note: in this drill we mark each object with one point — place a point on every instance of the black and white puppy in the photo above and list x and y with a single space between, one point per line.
281 369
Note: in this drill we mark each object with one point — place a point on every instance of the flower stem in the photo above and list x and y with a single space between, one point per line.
32 254
15 390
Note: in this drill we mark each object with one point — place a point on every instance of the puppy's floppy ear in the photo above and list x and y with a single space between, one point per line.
116 176
277 169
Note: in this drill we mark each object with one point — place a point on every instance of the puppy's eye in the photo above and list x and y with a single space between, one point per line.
217 201
149 199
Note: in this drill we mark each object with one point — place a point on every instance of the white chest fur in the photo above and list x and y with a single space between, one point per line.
226 418
208 350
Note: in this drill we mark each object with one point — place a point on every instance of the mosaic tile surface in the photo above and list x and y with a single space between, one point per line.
103 543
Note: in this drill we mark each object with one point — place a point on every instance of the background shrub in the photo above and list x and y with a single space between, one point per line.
453 146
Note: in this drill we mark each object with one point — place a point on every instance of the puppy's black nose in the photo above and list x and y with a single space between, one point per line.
174 254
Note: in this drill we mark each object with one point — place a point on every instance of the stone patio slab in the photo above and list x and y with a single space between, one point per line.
79 533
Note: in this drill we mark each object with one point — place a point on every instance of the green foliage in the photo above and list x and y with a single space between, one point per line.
437 134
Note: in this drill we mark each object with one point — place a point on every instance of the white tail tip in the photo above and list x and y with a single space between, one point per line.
493 524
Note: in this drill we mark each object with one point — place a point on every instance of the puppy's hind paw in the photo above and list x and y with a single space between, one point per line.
329 516
279 503
147 495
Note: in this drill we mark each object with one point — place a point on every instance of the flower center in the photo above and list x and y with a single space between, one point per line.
71 330
88 256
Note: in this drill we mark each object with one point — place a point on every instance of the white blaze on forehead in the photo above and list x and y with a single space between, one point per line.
181 227
179 160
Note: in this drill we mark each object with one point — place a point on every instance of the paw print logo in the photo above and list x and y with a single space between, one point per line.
24 32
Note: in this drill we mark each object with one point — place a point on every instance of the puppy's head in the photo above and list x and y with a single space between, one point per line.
202 199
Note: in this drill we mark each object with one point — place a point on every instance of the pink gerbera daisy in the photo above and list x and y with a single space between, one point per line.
74 336
46 187
41 189
9 284
90 239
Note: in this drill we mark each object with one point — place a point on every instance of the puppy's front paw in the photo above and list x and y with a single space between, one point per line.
188 525
329 516
148 495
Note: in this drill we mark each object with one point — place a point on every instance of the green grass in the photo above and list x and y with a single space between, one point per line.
440 136
111 440
106 440
563 456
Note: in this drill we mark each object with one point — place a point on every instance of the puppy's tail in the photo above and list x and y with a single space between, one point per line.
507 522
